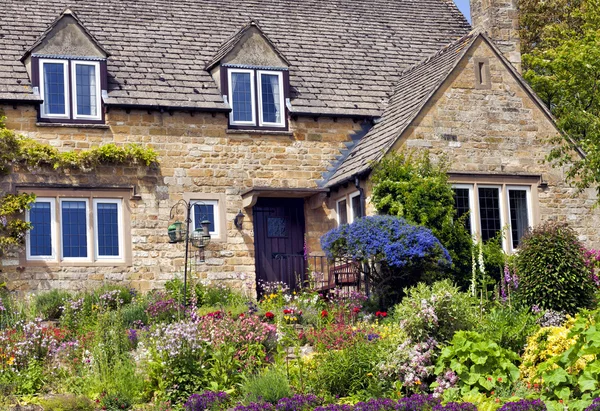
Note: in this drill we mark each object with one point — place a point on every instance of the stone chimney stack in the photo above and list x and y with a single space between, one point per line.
500 20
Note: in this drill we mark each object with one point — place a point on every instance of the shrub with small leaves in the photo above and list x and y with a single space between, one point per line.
552 271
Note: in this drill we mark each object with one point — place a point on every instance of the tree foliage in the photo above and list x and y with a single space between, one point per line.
561 45
412 186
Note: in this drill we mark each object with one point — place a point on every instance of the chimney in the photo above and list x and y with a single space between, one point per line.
500 20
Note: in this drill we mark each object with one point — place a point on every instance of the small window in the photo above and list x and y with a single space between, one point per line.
71 90
257 98
54 88
107 228
482 73
342 211
518 199
40 238
489 212
206 210
74 228
355 207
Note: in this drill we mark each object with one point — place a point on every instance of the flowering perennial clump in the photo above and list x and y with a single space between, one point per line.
524 405
206 401
412 364
594 406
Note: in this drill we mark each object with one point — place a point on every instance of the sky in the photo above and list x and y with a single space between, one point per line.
463 5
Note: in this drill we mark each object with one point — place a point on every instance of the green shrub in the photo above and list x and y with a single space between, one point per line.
436 311
218 295
551 269
67 403
348 371
134 313
480 364
48 305
508 326
269 386
115 402
416 188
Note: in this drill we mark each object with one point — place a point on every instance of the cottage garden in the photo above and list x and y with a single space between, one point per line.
450 324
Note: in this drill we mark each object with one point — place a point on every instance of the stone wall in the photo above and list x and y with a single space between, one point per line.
197 155
493 133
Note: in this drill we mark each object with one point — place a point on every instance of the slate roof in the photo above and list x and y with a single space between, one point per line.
344 55
414 88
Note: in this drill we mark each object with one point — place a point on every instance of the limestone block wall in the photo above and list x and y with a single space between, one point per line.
499 130
197 155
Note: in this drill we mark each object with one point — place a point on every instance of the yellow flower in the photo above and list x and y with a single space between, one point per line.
369 374
11 361
418 382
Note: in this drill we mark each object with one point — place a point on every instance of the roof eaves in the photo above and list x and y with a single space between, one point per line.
66 12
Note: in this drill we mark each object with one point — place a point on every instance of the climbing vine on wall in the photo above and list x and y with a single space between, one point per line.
27 154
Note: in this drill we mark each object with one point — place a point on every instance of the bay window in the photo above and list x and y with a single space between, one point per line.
257 98
71 90
494 207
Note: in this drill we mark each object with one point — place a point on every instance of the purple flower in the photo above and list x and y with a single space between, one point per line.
525 405
208 400
594 406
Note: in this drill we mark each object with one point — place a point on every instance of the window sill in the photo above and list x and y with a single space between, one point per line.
73 125
264 132
56 264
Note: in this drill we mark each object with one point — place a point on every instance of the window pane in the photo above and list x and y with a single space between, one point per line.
271 103
241 96
54 88
204 212
356 209
343 212
85 78
489 211
40 236
74 229
462 203
107 215
519 217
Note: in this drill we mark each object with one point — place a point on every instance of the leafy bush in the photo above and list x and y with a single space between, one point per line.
508 326
396 252
480 364
67 403
270 386
552 271
115 402
415 188
436 311
576 372
49 304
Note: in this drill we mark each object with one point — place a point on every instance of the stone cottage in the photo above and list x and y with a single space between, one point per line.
267 118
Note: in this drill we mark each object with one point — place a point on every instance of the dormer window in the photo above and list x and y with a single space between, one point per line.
257 97
71 90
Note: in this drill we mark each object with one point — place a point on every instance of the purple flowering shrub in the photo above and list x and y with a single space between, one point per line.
411 364
525 405
164 309
207 401
594 406
398 252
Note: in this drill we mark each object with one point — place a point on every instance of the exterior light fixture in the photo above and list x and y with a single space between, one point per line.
238 221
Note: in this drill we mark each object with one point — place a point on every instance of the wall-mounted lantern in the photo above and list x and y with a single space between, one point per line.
238 221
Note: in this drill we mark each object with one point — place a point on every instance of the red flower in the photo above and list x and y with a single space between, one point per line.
241 315
381 314
269 315
356 310
324 313
287 311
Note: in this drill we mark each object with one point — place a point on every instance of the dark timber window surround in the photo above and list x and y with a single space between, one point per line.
257 96
71 88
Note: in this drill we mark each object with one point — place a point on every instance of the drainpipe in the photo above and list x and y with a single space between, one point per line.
361 191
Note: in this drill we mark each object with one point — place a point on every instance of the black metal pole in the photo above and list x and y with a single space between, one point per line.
187 240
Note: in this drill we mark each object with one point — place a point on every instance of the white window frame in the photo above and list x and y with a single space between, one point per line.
53 223
96 64
43 114
527 189
472 212
215 204
351 216
89 257
337 210
252 73
279 74
119 204
501 204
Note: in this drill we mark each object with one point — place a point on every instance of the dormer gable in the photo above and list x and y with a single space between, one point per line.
249 47
67 67
66 36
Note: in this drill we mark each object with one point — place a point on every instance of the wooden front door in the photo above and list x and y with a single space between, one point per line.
279 240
